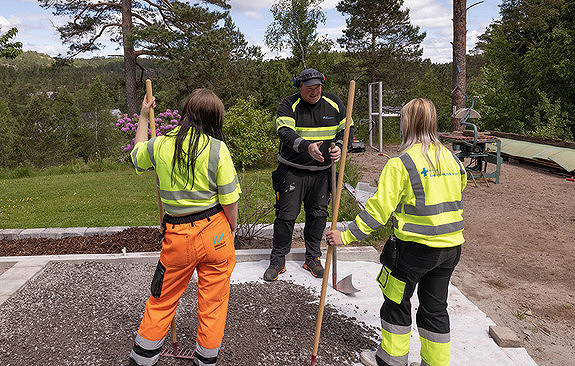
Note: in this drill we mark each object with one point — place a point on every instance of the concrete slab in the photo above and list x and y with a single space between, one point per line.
17 276
243 255
32 233
3 298
504 337
95 231
10 234
115 229
52 233
73 231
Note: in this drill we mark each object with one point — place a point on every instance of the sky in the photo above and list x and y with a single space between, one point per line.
36 26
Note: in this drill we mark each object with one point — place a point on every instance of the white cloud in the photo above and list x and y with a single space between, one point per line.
428 14
12 21
329 4
251 8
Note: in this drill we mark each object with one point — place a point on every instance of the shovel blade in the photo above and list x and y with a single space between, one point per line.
345 286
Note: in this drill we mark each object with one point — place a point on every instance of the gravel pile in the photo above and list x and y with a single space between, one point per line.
88 314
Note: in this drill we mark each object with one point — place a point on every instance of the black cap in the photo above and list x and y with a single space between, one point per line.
311 77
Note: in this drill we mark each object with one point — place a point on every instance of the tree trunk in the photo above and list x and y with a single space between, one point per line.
459 77
129 58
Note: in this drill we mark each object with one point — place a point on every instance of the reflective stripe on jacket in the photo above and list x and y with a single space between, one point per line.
214 176
299 124
424 207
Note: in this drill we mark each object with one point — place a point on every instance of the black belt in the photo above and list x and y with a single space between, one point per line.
196 216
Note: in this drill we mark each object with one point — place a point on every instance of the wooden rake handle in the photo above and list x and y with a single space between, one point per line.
152 118
319 319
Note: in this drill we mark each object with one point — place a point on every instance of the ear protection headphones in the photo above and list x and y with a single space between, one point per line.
308 76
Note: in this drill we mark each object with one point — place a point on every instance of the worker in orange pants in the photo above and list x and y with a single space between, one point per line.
199 190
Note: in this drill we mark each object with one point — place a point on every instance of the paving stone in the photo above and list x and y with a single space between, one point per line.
115 229
52 233
3 298
73 231
32 233
10 234
95 231
504 337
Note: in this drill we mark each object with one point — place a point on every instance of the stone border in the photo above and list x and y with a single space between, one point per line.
265 231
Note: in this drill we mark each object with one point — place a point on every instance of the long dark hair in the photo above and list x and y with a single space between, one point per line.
203 113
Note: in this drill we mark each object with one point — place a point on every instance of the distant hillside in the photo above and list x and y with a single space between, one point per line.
29 59
33 59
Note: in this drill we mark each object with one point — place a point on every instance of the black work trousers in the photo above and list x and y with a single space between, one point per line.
292 187
430 269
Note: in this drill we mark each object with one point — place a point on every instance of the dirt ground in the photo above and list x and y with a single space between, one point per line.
517 261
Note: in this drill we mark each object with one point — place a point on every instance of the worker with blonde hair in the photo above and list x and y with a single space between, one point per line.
421 190
199 189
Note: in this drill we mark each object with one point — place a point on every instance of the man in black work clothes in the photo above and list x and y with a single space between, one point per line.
307 123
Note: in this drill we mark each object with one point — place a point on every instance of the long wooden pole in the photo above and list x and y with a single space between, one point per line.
319 319
152 117
149 96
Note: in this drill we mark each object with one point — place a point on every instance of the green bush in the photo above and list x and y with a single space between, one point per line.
250 134
549 120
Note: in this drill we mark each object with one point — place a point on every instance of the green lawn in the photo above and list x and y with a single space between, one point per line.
112 198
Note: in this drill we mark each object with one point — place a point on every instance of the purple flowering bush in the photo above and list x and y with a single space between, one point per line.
165 122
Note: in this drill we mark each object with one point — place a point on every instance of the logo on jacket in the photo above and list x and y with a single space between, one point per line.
424 172
328 117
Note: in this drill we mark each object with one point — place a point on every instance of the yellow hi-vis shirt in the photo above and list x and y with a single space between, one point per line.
424 207
215 179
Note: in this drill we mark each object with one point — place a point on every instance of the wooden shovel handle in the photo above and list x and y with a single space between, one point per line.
319 319
334 198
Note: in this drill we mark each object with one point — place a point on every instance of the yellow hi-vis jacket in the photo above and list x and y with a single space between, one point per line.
424 207
215 179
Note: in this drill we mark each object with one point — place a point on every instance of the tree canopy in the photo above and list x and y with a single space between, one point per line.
530 54
295 27
9 49
379 34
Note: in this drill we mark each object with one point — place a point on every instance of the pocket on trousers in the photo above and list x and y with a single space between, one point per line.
158 280
391 287
176 246
278 179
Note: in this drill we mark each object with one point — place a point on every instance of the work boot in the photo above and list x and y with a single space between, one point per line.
314 266
273 271
367 358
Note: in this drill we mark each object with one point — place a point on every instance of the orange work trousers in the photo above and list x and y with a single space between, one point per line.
208 247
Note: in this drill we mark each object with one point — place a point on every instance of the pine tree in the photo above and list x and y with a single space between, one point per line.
129 22
379 35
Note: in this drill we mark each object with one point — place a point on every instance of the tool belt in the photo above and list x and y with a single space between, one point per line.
191 218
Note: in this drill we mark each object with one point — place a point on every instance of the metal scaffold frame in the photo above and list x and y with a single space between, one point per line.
381 113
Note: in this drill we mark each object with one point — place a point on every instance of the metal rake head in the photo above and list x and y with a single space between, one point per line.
175 352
